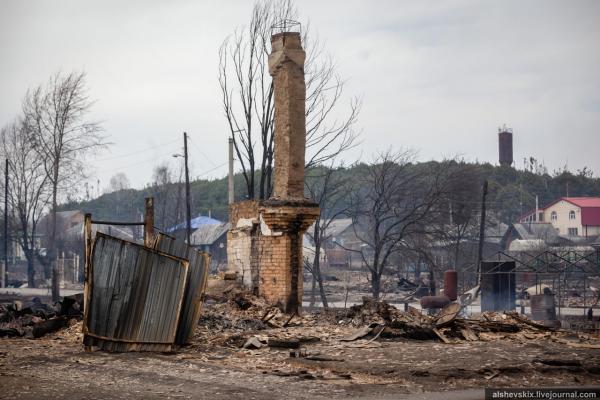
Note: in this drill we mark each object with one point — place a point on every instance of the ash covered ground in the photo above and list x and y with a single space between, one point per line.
244 348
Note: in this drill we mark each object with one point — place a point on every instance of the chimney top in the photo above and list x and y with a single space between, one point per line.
289 40
286 26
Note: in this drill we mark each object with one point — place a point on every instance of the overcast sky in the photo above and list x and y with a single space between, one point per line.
438 77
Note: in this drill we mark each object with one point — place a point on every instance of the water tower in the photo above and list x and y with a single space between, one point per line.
505 145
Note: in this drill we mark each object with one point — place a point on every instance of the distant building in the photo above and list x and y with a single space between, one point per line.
531 236
179 229
208 234
212 238
570 216
338 238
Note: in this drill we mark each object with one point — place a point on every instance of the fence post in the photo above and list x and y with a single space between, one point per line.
87 240
149 222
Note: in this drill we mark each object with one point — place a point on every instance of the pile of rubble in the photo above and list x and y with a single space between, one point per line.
34 319
243 320
239 316
380 319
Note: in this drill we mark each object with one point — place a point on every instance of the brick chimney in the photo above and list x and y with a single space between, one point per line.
264 244
286 66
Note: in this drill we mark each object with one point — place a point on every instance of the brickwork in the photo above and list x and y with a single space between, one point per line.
243 209
242 253
286 65
265 240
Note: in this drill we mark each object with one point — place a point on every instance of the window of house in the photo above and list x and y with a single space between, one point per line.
541 217
571 214
572 231
553 216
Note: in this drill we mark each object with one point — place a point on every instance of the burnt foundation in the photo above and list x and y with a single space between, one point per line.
268 261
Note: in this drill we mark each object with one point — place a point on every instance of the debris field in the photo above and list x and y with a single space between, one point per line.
244 348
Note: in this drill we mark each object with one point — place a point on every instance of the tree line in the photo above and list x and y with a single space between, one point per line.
45 147
396 202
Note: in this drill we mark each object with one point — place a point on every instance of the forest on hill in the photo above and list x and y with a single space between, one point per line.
511 192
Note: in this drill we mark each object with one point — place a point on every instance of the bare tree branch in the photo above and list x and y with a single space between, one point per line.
247 96
28 191
55 118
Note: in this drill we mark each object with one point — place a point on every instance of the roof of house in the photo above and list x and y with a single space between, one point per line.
337 226
76 231
196 223
536 231
334 228
584 201
207 234
526 245
532 231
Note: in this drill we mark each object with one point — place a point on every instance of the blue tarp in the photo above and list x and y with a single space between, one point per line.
196 223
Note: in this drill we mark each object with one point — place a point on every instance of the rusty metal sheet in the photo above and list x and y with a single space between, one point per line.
135 296
199 263
447 314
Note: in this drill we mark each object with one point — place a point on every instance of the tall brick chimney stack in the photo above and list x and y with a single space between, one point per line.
287 214
286 66
264 245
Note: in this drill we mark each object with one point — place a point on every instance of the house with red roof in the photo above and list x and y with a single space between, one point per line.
571 216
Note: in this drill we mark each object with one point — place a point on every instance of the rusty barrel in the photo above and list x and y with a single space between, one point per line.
450 284
542 307
434 301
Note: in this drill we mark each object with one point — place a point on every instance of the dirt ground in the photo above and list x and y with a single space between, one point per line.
215 365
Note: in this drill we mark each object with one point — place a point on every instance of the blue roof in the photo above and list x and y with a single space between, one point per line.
196 223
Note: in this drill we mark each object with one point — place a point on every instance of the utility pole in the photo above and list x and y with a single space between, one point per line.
230 180
187 190
5 277
481 228
188 217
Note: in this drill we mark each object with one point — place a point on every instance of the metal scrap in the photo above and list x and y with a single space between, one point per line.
134 296
197 276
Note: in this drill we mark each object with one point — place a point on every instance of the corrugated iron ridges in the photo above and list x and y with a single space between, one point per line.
136 296
195 286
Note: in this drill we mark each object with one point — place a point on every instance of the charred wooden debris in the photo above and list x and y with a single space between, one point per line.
34 318
449 325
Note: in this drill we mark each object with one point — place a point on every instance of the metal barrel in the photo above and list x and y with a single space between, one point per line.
450 284
434 301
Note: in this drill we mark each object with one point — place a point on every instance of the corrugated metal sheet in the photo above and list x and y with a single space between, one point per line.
134 296
195 286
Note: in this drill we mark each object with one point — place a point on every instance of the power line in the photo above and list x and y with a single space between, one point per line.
149 160
137 152
200 150
211 170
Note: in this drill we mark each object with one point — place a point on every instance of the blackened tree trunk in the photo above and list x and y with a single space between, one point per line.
30 271
51 251
375 284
